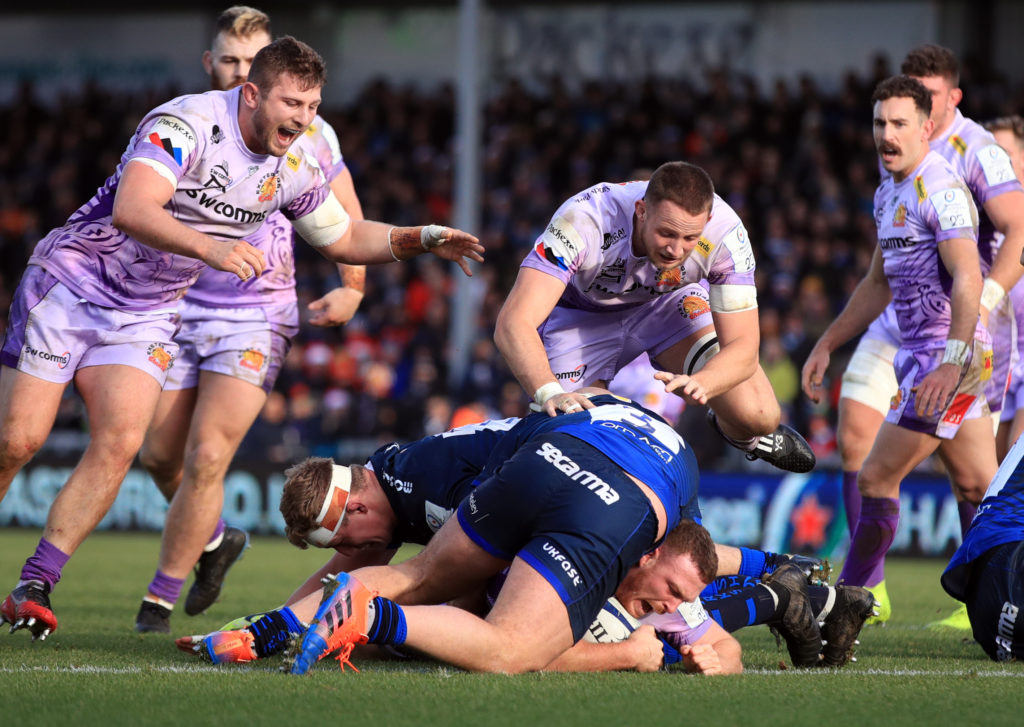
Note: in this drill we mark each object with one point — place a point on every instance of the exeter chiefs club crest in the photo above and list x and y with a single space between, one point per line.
669 278
159 357
268 187
252 359
899 218
693 306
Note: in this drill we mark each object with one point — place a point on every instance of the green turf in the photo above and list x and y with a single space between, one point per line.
96 670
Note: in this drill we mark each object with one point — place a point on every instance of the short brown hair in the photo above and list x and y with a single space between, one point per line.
687 185
303 496
904 87
242 21
932 60
1014 124
691 538
291 56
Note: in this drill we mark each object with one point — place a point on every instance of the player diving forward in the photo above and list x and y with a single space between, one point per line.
405 494
621 270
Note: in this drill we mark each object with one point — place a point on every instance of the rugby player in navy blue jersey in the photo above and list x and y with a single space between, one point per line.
406 493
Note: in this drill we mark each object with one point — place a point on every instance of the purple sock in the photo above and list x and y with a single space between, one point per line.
45 564
217 531
166 588
851 499
966 511
876 529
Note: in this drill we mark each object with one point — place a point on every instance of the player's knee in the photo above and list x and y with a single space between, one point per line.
971 490
207 460
17 447
872 482
160 465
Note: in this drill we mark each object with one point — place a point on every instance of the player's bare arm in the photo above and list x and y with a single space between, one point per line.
866 303
363 242
739 338
715 652
139 211
1007 214
527 306
642 652
960 258
339 305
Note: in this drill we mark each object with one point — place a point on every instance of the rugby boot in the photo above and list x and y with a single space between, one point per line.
956 621
341 622
884 604
153 618
817 570
220 647
212 568
28 607
841 627
796 623
784 448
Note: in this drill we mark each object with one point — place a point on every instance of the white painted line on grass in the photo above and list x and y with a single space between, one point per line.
209 669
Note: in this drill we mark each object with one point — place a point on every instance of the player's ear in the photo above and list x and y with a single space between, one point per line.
957 96
251 95
208 62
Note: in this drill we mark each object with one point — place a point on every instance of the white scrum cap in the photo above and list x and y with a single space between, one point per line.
333 511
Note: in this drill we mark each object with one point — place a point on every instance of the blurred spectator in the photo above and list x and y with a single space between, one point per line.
797 163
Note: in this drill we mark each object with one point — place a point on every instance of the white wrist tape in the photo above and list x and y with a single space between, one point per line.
552 388
333 511
991 294
433 235
956 352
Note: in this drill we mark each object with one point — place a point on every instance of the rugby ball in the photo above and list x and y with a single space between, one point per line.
613 624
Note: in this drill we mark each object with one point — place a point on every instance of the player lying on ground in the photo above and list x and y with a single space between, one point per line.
404 494
987 570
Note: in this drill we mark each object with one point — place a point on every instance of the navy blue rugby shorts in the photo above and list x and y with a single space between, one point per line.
570 513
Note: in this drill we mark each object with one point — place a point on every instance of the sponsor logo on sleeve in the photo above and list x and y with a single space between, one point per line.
705 246
959 144
953 209
291 161
922 193
435 515
995 163
174 137
216 135
738 243
560 244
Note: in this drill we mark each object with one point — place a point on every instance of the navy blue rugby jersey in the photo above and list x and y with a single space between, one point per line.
426 480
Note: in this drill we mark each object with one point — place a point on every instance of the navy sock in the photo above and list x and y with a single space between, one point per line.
272 630
752 562
733 611
388 622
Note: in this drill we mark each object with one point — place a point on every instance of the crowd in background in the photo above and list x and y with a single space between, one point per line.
797 164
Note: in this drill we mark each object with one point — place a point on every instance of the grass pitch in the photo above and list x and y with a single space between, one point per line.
96 670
